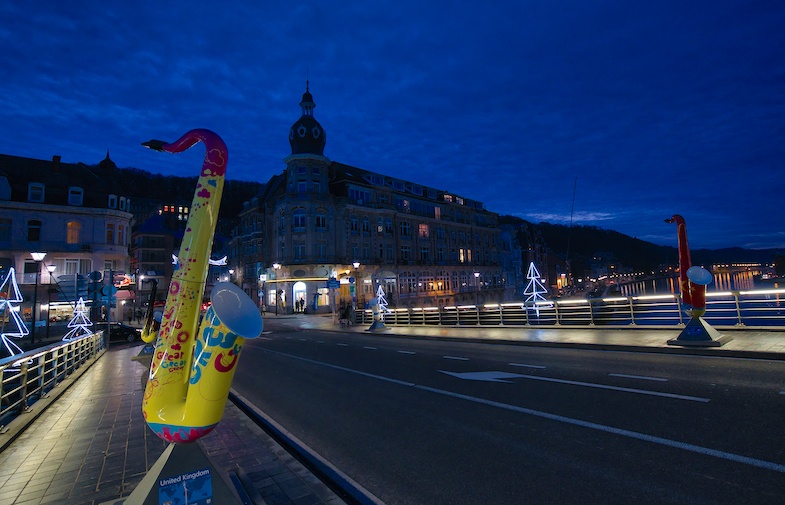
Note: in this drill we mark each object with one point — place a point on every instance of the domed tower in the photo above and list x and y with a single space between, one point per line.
307 167
306 136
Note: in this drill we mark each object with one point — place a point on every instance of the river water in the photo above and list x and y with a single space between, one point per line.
723 281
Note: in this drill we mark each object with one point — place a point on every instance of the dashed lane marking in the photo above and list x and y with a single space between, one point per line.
527 366
641 377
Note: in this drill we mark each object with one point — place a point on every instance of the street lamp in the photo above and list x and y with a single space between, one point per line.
51 269
353 286
476 288
138 297
276 267
38 257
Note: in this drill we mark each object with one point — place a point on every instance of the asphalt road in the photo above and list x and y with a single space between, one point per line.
428 422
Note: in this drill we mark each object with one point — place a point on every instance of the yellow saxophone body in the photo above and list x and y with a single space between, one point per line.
193 366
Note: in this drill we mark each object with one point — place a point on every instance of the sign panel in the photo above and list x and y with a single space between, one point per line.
192 488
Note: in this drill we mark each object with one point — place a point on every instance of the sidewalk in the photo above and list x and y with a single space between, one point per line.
92 446
745 344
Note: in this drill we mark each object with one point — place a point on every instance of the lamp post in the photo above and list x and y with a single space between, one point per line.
51 269
276 267
38 257
138 279
476 288
353 285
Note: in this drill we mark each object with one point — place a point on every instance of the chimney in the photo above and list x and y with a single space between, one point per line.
56 163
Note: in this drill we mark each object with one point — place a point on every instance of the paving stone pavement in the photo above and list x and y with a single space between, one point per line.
92 446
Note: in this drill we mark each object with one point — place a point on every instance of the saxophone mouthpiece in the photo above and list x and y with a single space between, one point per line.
669 220
155 145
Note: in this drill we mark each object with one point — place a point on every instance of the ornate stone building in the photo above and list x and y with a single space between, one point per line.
322 220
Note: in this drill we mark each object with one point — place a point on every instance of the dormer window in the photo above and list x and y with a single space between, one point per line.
122 203
112 203
75 195
35 192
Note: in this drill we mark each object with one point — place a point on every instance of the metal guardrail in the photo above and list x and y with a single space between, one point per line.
763 309
30 376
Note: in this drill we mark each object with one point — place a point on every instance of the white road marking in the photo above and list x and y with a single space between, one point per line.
342 344
407 352
616 388
369 348
264 338
320 341
456 358
706 451
641 377
526 366
782 392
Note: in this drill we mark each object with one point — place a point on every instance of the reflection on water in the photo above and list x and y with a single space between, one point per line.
723 281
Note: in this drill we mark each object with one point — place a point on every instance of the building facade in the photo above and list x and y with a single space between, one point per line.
321 220
58 209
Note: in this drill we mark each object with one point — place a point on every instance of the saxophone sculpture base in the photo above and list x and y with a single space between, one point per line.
699 333
183 474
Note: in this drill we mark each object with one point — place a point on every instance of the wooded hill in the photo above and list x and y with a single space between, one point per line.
585 242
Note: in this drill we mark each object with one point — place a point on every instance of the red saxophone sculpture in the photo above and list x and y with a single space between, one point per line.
692 280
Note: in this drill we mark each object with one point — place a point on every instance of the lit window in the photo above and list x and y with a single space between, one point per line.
424 232
110 233
74 229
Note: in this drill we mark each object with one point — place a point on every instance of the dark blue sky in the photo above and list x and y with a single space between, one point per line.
655 107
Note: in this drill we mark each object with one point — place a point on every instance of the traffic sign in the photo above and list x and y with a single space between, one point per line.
333 284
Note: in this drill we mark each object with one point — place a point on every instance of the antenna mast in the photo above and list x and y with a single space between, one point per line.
569 230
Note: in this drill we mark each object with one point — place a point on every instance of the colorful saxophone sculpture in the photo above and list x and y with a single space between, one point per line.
692 279
191 371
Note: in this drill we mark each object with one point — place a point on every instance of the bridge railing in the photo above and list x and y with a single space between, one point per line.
28 377
759 308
